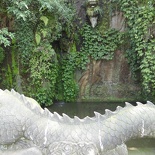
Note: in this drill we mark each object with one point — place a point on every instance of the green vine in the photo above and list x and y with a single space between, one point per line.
94 45
1 55
43 62
43 73
68 78
49 47
5 37
100 46
37 24
141 20
12 70
25 40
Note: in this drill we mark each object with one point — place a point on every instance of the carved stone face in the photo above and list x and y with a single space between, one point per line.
92 11
93 21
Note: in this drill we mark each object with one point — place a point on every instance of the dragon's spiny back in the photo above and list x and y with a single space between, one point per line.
36 108
25 101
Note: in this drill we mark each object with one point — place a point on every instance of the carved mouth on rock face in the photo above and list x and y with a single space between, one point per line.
93 21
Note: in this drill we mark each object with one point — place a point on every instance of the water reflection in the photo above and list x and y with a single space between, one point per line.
145 146
135 147
82 109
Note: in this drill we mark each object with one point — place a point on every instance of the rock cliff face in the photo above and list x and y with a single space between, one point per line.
108 79
103 79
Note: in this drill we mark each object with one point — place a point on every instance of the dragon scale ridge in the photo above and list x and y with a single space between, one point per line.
26 128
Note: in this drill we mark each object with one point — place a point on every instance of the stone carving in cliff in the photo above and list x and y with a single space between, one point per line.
93 10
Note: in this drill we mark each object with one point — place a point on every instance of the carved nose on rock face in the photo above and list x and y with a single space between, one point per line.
93 21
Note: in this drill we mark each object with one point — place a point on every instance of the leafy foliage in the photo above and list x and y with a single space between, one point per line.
28 8
24 40
50 70
5 37
141 19
95 46
1 54
98 46
11 71
37 24
43 73
68 78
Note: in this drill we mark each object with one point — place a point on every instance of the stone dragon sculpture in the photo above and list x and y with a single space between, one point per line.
27 129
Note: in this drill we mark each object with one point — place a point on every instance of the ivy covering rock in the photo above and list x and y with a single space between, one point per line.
48 42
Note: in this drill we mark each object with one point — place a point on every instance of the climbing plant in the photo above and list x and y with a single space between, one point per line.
100 46
68 78
50 47
37 24
5 41
5 37
96 46
28 9
24 40
1 54
44 66
140 17
43 73
12 79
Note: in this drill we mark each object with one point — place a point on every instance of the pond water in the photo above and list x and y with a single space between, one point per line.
143 146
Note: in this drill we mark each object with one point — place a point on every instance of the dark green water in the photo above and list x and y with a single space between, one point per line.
136 147
83 109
